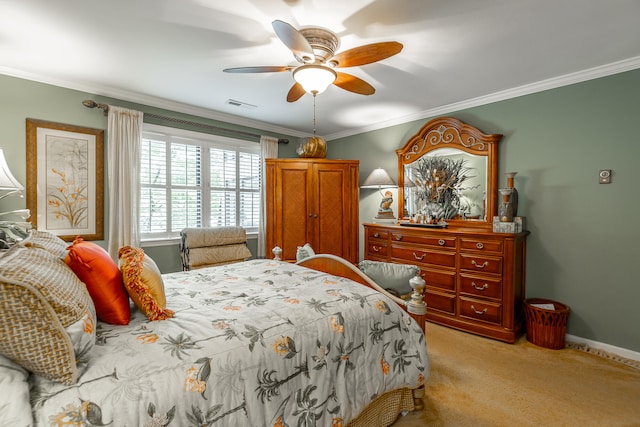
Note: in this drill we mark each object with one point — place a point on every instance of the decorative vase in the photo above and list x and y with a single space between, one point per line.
505 209
514 193
313 146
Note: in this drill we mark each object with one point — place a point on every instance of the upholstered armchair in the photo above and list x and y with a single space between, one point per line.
392 277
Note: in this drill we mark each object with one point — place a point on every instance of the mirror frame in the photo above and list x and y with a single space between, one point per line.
450 132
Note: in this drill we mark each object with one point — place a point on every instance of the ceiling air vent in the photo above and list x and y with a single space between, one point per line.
240 104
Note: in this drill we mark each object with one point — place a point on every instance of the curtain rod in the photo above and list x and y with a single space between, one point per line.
105 108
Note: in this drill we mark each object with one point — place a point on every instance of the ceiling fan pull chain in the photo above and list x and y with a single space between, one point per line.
314 114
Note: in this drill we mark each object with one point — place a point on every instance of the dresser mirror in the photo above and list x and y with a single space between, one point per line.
449 170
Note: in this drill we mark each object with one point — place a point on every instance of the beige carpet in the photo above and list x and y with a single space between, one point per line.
476 381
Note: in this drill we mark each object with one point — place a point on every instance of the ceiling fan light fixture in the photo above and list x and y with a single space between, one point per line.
314 78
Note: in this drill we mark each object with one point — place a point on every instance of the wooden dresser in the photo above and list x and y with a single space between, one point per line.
475 279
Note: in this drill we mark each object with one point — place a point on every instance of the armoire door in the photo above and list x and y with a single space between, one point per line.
289 196
331 224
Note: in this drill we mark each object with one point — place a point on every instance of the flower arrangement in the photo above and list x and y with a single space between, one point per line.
439 185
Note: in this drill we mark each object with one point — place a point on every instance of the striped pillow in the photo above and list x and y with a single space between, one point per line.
47 318
48 241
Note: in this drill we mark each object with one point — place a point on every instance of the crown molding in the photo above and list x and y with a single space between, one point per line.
552 83
152 101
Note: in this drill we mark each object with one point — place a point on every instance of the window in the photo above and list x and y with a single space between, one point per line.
189 179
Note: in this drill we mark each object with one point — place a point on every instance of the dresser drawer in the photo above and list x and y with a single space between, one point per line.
428 240
440 301
376 250
415 255
443 279
481 286
481 310
483 245
485 264
373 233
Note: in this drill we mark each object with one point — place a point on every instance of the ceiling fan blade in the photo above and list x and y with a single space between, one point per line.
295 93
265 69
366 54
294 41
354 84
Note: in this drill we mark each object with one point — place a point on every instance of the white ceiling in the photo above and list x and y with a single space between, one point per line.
457 53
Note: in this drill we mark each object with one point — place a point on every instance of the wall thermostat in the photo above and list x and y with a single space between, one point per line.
605 176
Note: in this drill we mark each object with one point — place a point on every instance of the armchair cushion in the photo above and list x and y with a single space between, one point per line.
392 277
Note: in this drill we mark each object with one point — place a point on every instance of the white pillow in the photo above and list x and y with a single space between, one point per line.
304 252
14 399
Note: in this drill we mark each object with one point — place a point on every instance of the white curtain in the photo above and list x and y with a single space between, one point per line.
124 133
268 149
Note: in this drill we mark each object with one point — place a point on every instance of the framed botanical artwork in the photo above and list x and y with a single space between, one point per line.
65 179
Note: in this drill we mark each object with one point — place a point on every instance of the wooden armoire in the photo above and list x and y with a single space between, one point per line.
312 201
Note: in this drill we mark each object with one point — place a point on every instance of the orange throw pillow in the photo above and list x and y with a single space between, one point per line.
144 283
94 266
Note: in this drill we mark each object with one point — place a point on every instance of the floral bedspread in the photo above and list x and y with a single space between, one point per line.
259 343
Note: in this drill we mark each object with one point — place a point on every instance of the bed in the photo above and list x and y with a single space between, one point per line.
256 343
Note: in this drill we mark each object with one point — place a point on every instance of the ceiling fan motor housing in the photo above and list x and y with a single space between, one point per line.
323 42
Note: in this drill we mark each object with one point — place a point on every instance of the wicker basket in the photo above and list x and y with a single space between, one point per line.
546 328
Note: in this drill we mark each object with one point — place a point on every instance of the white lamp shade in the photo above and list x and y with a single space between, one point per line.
7 180
378 178
314 78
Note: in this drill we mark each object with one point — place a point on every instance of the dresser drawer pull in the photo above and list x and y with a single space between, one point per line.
418 258
376 248
441 242
480 288
483 265
398 237
483 311
376 235
479 245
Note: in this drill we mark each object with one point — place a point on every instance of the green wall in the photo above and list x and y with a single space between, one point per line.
582 246
21 99
585 236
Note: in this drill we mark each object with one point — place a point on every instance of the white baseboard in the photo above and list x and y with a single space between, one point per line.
628 354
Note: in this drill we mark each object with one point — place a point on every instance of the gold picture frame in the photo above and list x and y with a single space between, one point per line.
65 179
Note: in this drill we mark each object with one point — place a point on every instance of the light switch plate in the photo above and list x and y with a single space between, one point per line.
605 176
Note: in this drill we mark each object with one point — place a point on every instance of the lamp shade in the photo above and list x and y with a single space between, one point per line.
378 178
314 78
7 180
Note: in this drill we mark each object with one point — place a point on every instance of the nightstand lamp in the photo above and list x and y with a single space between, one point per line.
11 231
379 178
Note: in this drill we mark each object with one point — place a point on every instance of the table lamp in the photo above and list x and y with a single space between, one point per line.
379 178
11 231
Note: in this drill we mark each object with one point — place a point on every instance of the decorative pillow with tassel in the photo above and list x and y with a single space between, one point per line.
143 282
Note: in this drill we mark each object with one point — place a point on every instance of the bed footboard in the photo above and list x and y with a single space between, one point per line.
416 307
332 264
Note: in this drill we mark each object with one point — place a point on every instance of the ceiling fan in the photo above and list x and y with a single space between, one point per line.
314 49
